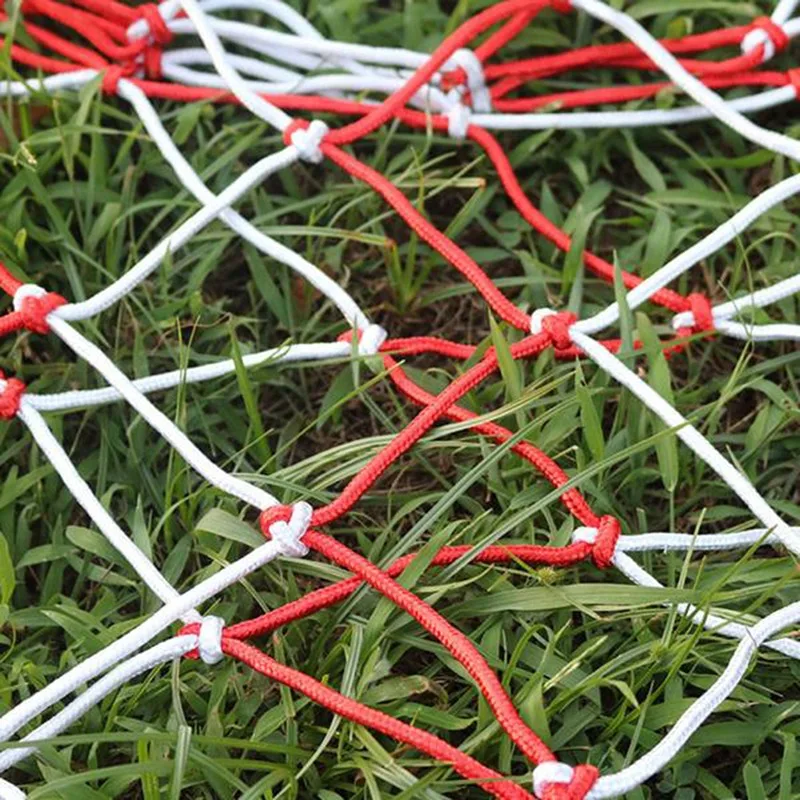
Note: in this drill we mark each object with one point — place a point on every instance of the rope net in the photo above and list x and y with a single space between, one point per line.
463 90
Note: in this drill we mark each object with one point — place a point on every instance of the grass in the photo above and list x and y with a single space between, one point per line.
600 668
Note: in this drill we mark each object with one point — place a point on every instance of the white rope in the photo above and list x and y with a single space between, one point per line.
629 27
78 398
711 243
759 299
260 107
538 316
134 276
637 773
458 120
80 490
31 707
780 16
476 81
372 339
201 464
675 542
173 648
735 630
191 180
690 436
49 85
176 65
209 640
10 792
307 141
289 535
550 772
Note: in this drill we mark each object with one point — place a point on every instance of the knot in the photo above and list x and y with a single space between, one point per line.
34 305
555 324
287 525
152 63
698 318
562 6
11 391
306 137
458 119
553 780
767 33
209 639
701 311
470 67
112 76
156 24
371 339
602 539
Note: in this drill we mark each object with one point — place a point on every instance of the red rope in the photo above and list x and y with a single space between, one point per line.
466 766
10 397
461 37
450 637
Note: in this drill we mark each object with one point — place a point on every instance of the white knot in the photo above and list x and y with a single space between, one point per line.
289 534
458 118
209 640
756 37
476 80
10 792
538 316
27 290
584 534
307 141
550 772
372 337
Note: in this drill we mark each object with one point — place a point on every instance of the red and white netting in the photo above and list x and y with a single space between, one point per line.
462 91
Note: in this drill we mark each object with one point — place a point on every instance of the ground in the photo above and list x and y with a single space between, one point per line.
599 667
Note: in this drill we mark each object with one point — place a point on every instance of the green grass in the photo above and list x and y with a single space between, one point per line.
600 668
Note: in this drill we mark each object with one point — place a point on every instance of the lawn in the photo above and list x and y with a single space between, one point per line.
599 668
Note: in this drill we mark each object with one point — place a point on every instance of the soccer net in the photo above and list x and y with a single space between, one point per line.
195 50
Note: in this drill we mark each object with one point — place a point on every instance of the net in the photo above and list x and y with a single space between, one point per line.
463 91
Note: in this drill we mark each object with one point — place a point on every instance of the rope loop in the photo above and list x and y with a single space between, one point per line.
34 304
156 24
307 138
469 64
553 780
768 33
602 540
112 77
209 640
371 339
11 391
458 120
702 312
605 544
555 324
287 525
152 62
